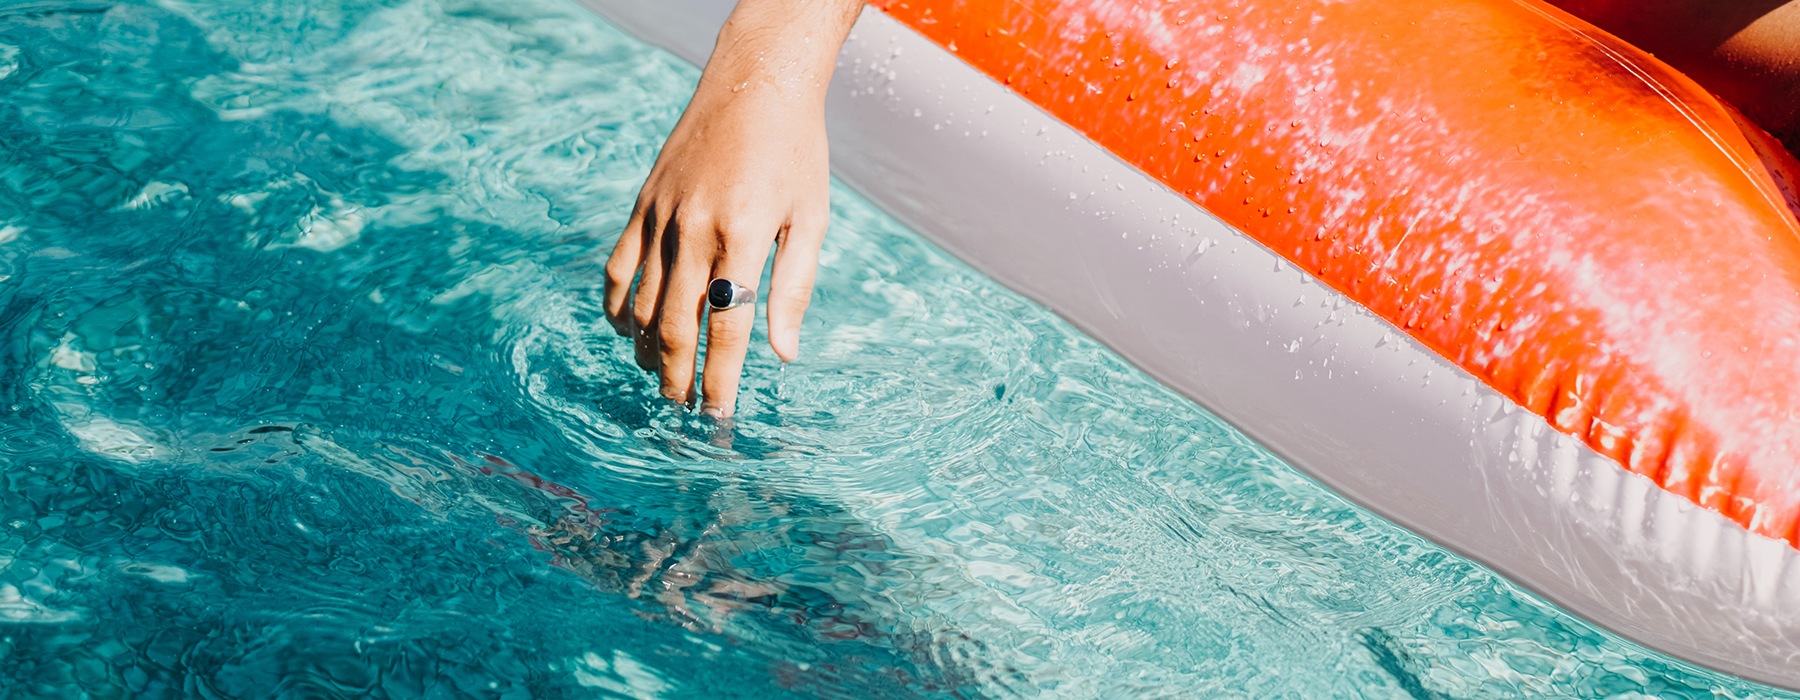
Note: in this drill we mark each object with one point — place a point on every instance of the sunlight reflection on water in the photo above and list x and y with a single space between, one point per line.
307 391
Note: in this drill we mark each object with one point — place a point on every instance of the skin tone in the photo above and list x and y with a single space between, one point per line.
746 167
1746 51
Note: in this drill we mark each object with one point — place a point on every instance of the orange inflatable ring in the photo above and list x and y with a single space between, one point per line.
1485 269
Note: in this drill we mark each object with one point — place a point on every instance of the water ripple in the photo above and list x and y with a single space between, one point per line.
307 390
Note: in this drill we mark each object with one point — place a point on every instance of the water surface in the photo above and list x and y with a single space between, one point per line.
305 391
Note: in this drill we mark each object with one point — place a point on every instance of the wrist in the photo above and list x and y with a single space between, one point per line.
773 45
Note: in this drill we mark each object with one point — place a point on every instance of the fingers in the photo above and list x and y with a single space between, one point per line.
791 286
622 267
673 262
678 323
728 330
645 302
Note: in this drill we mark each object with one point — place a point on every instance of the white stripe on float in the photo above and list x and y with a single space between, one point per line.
1333 389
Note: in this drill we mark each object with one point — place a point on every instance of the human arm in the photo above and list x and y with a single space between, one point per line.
745 167
1746 51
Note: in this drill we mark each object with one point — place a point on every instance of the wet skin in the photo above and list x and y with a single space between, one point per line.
746 167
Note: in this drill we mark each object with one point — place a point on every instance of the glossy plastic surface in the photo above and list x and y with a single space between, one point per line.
1575 224
1334 389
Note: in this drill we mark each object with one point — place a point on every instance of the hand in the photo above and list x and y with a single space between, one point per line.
745 167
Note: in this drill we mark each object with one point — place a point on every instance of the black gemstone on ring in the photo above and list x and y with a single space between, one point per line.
719 293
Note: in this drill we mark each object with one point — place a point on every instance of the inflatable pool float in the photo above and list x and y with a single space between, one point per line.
1475 264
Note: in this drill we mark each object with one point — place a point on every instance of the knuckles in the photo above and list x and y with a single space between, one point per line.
643 316
724 332
676 341
723 229
619 272
795 296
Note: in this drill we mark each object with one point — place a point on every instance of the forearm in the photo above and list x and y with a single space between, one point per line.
1747 52
789 46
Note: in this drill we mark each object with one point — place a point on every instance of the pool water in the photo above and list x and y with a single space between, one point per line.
305 391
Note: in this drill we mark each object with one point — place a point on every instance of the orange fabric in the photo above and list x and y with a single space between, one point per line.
1574 223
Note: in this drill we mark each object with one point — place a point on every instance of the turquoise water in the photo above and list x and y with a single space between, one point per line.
305 391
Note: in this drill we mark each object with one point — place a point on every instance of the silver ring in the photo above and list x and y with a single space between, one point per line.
725 294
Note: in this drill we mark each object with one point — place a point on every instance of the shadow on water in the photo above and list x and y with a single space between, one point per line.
305 390
254 442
